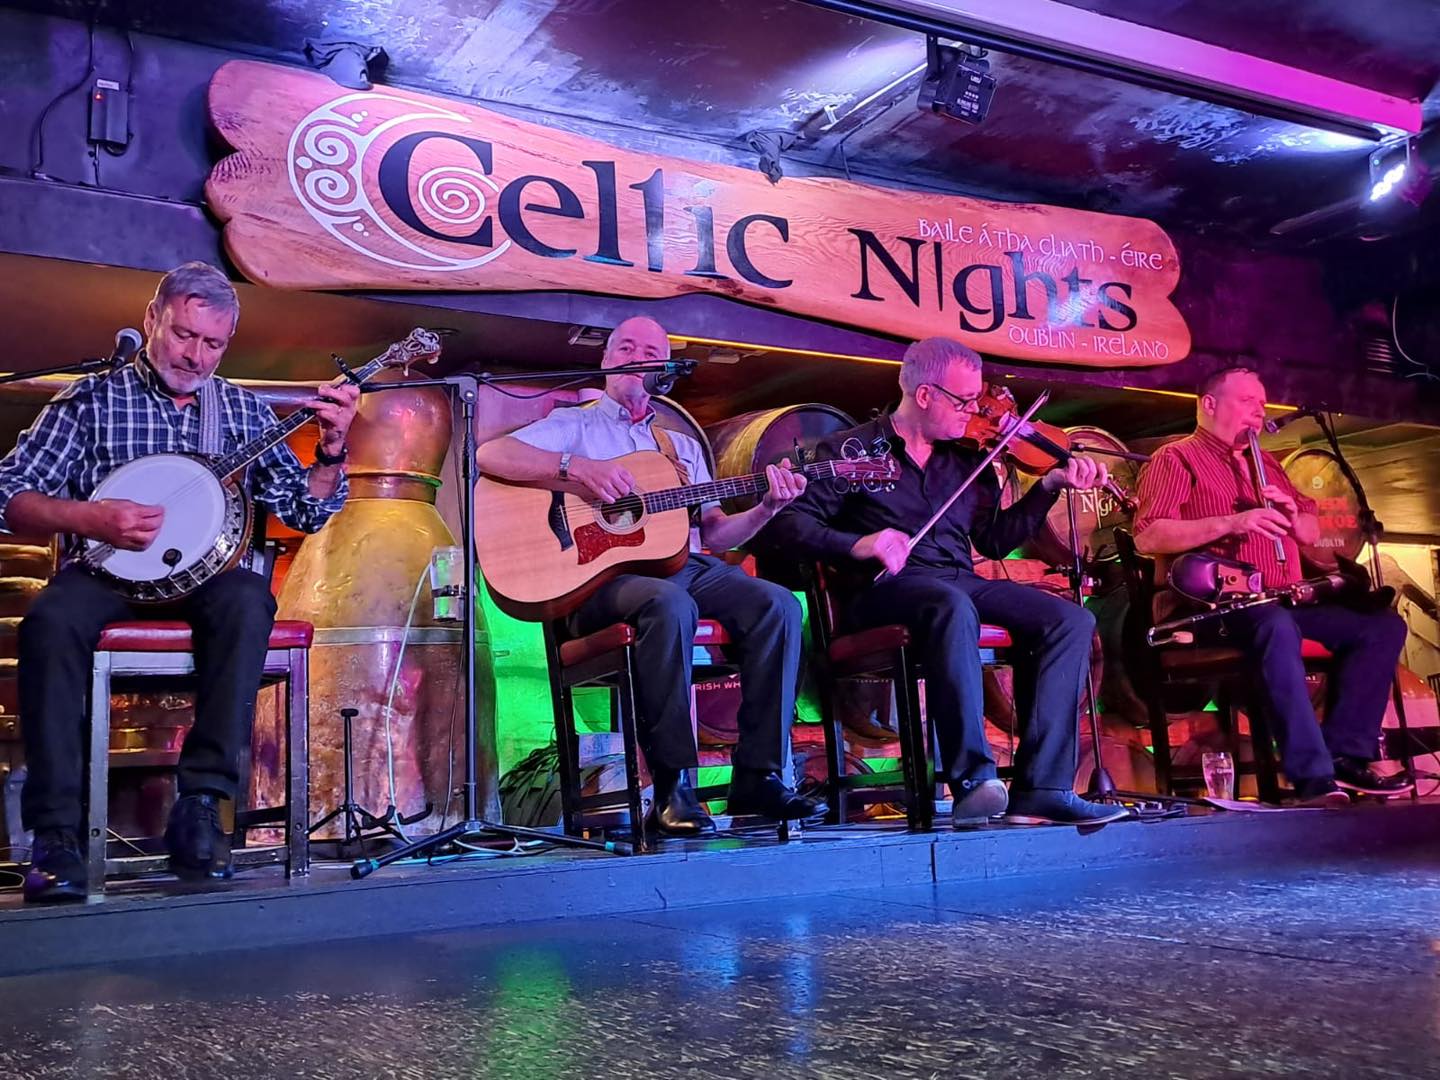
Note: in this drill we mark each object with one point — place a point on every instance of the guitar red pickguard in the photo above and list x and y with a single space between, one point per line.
591 541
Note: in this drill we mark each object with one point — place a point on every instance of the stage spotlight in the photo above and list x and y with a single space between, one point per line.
1397 169
349 63
957 82
1388 165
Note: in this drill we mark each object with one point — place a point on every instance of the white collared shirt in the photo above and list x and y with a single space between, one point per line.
603 430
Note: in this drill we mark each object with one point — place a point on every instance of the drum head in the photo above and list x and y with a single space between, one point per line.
1097 513
194 504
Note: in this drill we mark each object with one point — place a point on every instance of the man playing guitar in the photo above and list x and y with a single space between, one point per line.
1198 494
576 446
932 588
151 405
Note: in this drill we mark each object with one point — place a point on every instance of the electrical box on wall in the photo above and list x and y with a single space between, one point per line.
109 115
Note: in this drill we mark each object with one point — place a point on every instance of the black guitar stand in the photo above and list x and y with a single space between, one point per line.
356 819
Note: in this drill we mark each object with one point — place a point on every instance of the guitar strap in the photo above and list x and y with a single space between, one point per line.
212 438
667 447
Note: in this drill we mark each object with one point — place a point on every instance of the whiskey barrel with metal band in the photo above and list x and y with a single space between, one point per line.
746 443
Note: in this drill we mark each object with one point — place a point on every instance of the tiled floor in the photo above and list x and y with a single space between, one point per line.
1202 971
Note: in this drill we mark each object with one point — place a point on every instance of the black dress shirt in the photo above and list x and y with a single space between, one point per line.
826 521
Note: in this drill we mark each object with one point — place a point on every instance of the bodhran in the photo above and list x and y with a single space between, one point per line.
1097 513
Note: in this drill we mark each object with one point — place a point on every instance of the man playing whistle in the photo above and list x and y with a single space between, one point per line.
1198 494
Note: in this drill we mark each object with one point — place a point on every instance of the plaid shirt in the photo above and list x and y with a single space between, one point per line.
99 423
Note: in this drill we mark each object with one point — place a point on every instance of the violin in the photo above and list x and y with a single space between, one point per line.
1036 448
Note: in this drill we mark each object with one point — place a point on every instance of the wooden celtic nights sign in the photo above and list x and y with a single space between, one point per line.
330 188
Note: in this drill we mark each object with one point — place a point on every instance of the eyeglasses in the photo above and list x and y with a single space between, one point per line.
960 403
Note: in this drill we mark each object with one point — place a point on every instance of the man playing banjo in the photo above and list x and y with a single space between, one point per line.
159 403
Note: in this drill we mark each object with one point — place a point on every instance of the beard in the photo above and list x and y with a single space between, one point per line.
177 382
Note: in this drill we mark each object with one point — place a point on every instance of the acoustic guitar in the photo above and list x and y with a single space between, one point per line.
543 552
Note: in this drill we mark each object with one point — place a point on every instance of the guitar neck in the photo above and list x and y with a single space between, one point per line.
755 484
281 430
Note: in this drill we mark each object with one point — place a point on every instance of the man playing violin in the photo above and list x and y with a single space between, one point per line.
1198 494
578 445
932 588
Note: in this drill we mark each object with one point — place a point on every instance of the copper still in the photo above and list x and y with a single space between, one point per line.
354 581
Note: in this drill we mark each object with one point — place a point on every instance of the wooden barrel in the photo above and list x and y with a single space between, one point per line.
1097 513
1316 474
746 443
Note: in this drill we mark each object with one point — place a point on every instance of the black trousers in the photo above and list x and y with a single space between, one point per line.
944 610
764 621
231 616
1366 646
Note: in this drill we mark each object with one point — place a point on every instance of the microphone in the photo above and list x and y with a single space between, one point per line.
127 344
1272 426
663 381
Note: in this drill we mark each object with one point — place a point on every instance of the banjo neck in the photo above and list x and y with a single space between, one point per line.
226 467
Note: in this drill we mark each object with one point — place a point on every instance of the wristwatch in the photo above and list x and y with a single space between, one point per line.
322 458
565 465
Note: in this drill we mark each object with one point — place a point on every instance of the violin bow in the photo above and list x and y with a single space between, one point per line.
995 452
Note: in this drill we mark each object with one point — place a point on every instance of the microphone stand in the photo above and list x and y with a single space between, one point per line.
1371 531
467 388
1102 784
79 367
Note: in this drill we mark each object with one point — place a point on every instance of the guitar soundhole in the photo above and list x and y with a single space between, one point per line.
623 513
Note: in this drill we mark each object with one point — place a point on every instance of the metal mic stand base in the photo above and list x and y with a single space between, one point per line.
479 829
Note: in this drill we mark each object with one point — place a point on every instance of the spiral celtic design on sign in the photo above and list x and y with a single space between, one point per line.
452 194
325 161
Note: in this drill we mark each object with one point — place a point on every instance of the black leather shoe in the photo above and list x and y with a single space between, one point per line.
57 868
199 848
1323 793
677 812
764 794
1353 774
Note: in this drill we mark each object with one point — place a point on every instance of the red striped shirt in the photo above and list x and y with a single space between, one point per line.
1198 477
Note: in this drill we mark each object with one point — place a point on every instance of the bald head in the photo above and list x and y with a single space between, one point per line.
636 340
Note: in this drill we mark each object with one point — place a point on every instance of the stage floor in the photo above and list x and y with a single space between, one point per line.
1235 946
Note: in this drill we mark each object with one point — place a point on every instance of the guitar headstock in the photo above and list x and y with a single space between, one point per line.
874 468
418 345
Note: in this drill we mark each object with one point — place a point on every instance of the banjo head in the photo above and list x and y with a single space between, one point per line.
195 505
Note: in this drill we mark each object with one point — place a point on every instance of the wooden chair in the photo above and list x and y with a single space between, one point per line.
1159 673
606 658
879 652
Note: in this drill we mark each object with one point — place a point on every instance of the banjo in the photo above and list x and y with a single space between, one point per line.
208 519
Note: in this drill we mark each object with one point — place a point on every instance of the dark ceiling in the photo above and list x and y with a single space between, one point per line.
712 72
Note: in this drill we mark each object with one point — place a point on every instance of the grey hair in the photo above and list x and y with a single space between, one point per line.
610 339
927 361
198 281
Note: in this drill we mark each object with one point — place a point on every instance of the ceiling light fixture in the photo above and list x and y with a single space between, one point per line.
957 82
